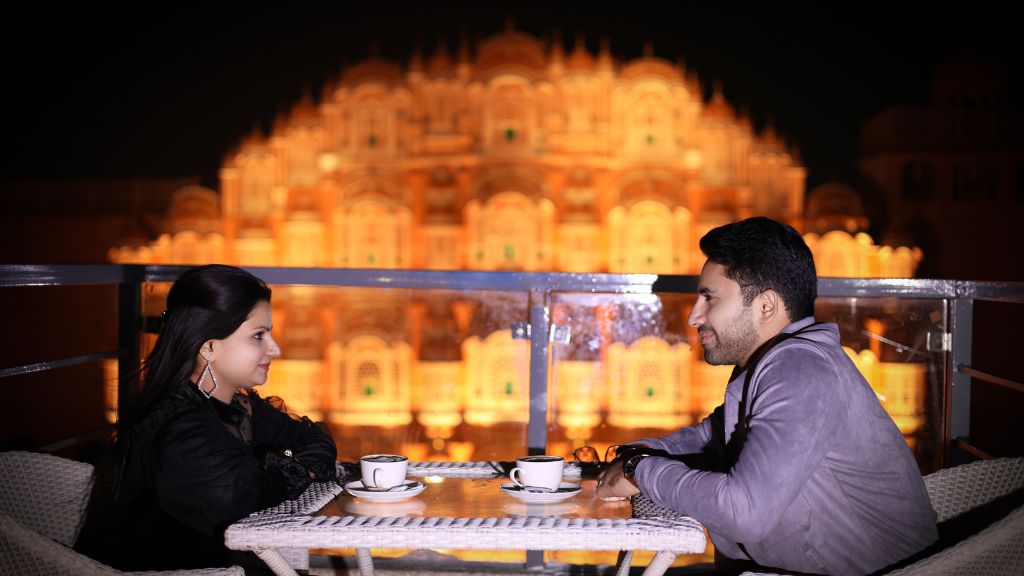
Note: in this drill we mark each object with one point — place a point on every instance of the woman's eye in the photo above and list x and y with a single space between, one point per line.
258 336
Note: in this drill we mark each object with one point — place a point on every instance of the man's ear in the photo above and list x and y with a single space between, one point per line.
769 306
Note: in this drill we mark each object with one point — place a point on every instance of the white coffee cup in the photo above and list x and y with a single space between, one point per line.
383 471
538 472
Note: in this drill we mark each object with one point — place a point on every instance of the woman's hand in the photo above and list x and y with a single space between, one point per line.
612 485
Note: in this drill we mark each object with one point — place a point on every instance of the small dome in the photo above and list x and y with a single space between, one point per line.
255 139
304 113
650 66
511 49
194 208
580 59
135 233
373 70
834 206
769 142
441 64
719 108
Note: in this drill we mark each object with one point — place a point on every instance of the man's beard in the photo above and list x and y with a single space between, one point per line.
732 344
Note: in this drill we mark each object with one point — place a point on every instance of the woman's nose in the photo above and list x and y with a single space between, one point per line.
273 350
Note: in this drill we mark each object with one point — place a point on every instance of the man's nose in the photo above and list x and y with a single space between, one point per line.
696 318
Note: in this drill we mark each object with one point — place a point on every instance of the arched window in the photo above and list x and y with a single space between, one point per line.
373 233
257 182
368 378
643 239
510 231
509 116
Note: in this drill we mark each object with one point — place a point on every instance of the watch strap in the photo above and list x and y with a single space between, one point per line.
629 467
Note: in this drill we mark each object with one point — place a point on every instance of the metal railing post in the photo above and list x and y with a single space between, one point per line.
959 383
129 323
540 324
537 432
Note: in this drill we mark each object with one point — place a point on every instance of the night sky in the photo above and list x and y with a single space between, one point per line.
94 93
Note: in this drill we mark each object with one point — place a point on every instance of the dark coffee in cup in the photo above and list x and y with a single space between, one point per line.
541 458
384 458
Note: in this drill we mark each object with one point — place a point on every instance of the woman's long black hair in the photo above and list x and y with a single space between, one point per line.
205 303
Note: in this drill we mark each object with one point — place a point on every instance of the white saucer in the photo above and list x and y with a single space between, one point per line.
565 490
357 489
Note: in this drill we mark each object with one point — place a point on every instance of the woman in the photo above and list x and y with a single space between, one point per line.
199 449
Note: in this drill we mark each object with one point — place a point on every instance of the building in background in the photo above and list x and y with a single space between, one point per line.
38 217
952 173
513 155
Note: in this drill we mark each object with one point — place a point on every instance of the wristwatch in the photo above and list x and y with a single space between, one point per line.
629 467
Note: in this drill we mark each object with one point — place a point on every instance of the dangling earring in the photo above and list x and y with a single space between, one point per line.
202 378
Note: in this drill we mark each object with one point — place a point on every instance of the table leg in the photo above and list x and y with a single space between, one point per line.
661 561
276 562
625 559
365 561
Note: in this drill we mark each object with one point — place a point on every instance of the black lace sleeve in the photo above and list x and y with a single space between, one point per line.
295 476
307 441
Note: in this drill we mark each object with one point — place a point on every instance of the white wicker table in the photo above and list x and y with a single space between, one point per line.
462 508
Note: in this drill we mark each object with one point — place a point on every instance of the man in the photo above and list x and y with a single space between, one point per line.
808 473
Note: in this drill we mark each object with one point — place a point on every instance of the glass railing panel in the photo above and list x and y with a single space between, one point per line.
633 368
432 374
628 370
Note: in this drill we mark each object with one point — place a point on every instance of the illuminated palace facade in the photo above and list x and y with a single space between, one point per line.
512 155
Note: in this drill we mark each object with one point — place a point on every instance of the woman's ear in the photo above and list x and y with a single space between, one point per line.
206 350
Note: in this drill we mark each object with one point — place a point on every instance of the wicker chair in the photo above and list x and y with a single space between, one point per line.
997 549
43 500
44 493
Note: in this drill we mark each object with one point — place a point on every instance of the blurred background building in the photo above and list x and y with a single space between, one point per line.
511 154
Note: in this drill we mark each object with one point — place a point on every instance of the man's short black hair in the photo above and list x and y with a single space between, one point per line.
761 254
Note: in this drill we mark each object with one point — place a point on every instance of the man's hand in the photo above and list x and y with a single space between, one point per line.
612 485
